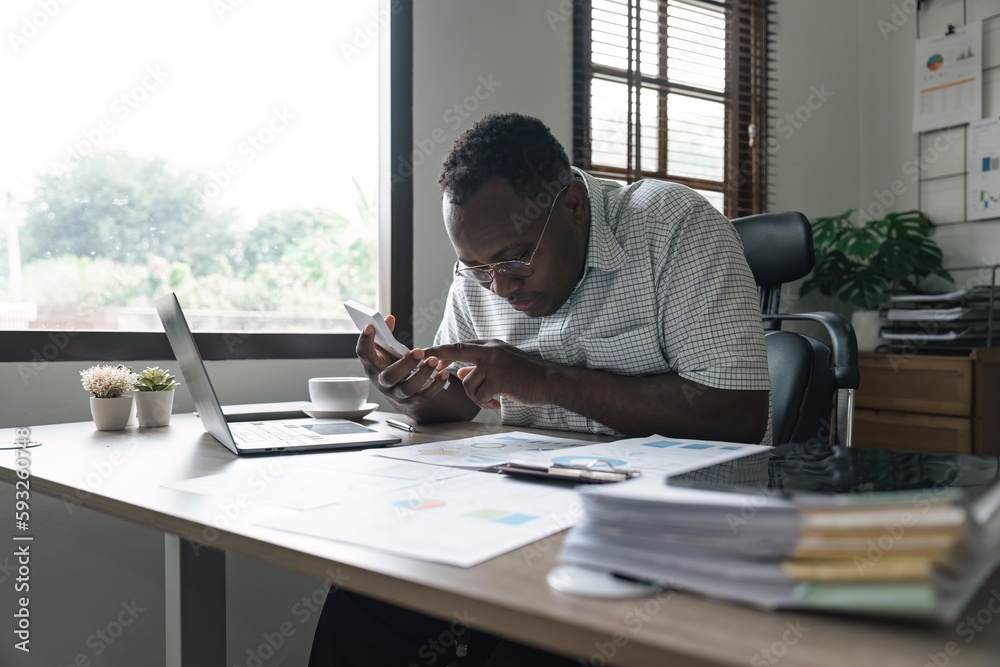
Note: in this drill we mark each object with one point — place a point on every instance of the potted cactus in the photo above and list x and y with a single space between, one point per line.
111 395
155 396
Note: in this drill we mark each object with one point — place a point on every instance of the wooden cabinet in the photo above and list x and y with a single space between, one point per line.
930 403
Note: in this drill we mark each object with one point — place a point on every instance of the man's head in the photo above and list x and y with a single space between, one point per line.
504 182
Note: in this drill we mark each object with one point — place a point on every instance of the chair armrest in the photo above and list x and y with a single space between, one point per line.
844 344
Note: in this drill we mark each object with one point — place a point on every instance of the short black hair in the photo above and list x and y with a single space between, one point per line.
517 148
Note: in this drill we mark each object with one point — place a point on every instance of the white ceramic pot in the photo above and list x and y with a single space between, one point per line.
111 414
154 407
866 326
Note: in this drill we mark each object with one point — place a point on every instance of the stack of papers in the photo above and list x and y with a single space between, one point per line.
864 531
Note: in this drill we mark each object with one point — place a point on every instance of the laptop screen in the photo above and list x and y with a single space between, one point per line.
193 369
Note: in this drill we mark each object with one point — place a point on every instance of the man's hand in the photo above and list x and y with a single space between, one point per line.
498 370
408 382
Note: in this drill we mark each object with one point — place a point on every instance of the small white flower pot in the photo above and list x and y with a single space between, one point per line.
154 407
111 414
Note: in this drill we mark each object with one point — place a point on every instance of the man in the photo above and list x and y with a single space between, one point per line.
583 305
577 304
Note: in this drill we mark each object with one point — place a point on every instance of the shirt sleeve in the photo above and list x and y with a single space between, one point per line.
710 328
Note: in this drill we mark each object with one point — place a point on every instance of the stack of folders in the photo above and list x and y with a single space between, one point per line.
863 531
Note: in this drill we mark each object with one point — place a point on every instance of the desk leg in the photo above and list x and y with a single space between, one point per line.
195 582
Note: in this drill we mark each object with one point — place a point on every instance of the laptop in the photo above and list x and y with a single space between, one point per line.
261 436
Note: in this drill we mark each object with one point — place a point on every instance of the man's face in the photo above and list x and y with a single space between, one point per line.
496 224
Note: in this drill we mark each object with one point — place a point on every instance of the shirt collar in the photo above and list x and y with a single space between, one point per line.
603 250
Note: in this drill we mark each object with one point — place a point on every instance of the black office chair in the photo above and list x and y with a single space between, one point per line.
805 373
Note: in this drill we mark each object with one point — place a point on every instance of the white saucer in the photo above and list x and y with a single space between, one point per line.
317 413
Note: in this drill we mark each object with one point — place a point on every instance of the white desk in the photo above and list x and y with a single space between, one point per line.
120 473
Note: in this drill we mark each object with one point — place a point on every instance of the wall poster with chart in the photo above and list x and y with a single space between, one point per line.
948 78
983 165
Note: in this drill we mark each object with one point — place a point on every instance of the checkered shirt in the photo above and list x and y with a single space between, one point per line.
665 289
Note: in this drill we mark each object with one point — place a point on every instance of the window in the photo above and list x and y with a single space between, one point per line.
225 150
676 90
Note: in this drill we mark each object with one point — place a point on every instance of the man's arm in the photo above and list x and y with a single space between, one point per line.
666 404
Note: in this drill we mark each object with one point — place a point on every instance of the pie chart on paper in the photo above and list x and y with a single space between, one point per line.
935 62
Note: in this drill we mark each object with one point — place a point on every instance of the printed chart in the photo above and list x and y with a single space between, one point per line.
286 482
656 454
983 165
460 521
480 452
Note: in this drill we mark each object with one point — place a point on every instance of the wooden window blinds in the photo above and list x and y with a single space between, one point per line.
676 90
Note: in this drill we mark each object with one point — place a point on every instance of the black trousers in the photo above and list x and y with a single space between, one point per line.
356 631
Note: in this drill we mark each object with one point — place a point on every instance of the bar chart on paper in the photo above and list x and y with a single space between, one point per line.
983 165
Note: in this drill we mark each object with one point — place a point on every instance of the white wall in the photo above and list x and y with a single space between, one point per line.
815 148
525 46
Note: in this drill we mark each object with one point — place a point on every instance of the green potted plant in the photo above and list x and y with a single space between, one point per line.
155 398
111 395
860 262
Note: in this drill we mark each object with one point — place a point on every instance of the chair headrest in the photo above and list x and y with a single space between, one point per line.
778 246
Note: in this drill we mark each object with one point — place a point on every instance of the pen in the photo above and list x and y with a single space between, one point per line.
400 425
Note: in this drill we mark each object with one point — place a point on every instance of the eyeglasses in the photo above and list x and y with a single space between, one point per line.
485 273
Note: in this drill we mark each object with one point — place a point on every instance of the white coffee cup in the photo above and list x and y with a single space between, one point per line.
338 394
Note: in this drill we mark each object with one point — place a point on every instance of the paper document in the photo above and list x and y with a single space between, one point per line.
948 79
655 454
480 452
287 483
460 521
983 165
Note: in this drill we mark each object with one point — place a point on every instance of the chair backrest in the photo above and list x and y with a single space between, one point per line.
806 374
779 249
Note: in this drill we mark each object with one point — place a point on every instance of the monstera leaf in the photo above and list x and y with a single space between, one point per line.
859 262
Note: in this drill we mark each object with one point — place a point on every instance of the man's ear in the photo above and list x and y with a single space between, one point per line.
577 202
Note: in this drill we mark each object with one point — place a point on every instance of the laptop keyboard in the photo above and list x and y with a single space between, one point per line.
262 433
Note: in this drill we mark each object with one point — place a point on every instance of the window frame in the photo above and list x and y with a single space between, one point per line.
395 266
744 100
